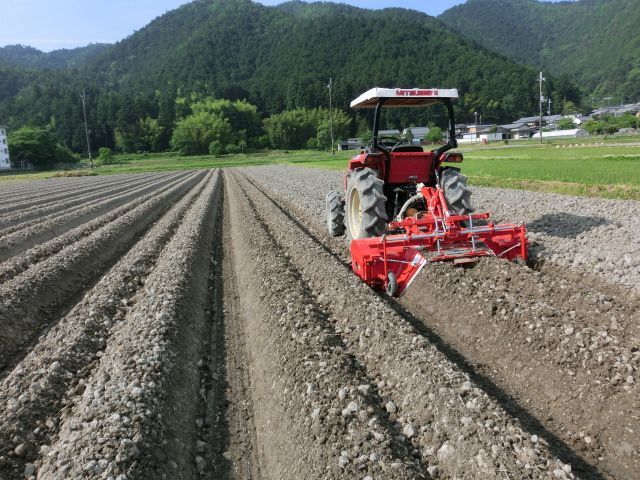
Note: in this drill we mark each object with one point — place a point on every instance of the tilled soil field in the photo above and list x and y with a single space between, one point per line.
204 325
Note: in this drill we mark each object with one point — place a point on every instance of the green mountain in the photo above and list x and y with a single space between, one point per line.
277 58
596 42
21 56
283 57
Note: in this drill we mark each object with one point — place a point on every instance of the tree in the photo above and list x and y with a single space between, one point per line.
294 128
243 117
565 124
223 121
150 135
323 135
194 135
435 134
594 127
366 137
408 135
105 156
569 108
38 146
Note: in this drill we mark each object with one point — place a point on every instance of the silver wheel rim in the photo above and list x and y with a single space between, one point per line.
355 213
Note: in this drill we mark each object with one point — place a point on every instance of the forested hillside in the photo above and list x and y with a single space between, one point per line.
596 42
31 58
277 58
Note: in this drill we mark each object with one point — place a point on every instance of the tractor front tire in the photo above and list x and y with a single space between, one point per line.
366 215
335 213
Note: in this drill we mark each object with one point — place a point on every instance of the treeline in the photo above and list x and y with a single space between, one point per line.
610 124
28 57
188 125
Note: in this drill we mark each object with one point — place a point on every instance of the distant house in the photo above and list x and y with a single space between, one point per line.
632 108
388 133
461 129
627 131
579 119
516 131
552 120
491 133
530 121
351 144
573 133
418 133
5 162
471 133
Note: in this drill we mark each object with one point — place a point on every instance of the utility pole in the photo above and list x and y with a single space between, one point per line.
476 120
549 108
541 79
83 97
330 87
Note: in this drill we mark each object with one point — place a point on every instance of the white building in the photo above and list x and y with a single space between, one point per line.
573 133
5 163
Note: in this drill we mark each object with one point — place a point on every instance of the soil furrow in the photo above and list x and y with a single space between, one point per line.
229 439
59 190
47 186
41 231
137 414
48 209
34 298
459 429
73 346
19 263
34 194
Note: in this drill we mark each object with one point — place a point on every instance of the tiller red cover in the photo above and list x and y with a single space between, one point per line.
434 235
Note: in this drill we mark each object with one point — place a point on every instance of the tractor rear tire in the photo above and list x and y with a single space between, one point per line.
456 191
458 195
335 213
366 215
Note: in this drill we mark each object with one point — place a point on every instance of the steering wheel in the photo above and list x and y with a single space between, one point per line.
388 143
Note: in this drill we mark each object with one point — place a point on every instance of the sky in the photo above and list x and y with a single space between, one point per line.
53 24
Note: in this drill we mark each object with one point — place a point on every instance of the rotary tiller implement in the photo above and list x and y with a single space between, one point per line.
427 201
391 262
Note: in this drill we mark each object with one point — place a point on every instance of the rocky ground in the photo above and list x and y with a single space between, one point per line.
204 325
558 347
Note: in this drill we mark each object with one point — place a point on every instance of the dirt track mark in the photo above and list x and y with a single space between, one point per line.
570 355
227 406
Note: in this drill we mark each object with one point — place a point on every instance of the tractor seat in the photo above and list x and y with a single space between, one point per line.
407 148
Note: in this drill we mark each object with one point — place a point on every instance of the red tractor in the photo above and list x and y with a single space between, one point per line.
405 207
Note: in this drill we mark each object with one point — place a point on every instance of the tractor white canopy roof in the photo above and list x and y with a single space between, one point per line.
403 97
